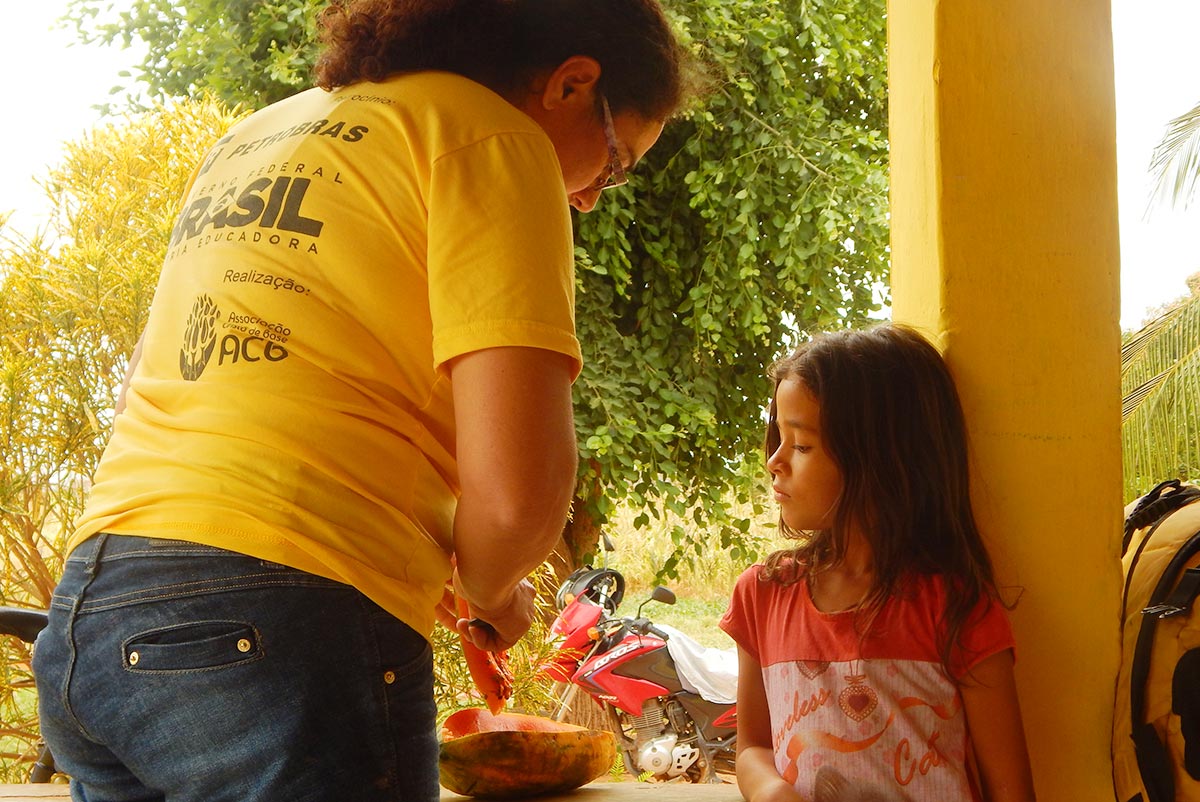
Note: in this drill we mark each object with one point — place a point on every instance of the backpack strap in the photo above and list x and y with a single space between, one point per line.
1154 506
1181 600
1185 703
1154 764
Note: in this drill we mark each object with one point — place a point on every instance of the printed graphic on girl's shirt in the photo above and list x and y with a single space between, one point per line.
908 740
858 700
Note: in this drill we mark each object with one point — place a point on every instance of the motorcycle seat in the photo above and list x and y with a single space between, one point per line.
704 670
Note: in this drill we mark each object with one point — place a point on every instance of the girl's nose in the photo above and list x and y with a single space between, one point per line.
774 463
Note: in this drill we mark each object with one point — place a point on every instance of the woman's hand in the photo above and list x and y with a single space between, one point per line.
497 629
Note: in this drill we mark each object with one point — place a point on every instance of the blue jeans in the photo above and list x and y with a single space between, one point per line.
176 672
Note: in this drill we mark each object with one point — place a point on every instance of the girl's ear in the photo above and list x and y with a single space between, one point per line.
570 84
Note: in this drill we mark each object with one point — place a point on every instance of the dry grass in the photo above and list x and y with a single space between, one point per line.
705 580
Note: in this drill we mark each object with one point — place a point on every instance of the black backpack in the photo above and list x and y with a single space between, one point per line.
1156 727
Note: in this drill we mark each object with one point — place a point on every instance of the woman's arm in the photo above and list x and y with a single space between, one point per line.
757 777
516 464
989 694
134 358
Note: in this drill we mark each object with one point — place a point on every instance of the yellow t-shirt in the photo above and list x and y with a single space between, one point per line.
334 251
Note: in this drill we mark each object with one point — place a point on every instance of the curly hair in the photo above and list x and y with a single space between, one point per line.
891 420
502 43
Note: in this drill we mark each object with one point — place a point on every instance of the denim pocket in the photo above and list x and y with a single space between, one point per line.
198 646
418 668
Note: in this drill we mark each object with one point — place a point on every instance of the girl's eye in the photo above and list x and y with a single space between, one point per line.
802 449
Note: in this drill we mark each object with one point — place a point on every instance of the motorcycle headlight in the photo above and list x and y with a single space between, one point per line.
592 584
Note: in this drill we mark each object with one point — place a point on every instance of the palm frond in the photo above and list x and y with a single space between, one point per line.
1145 336
1175 164
1160 386
1132 400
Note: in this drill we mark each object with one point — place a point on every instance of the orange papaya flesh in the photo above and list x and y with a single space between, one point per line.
489 670
471 720
510 764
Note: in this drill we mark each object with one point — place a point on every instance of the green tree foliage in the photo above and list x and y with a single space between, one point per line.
761 214
251 52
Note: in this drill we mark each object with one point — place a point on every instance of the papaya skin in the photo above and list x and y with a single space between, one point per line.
511 764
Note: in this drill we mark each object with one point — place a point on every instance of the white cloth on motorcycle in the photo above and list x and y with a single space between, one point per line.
705 670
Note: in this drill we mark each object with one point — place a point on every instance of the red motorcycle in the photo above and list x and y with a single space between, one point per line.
671 701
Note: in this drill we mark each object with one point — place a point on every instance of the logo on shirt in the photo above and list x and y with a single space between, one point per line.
199 338
269 203
249 339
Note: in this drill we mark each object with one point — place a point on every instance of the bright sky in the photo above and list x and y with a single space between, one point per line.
52 87
1158 79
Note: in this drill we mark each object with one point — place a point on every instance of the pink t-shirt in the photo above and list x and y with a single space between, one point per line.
871 720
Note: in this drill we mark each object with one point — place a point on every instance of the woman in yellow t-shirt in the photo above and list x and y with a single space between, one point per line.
354 388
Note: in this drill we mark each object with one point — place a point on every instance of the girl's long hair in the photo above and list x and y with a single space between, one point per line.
891 419
501 43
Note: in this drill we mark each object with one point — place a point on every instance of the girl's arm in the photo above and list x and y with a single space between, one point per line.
758 780
989 694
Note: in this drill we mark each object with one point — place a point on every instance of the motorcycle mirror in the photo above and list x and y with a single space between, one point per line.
659 594
608 544
663 594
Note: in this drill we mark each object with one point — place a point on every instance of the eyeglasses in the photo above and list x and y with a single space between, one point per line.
615 176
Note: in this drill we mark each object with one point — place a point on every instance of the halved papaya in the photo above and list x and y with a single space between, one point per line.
512 755
471 720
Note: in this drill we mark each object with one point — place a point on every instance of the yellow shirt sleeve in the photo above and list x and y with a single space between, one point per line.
500 252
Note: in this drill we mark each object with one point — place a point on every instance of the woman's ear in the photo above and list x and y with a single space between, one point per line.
571 83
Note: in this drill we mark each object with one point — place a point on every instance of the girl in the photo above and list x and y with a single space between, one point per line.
875 658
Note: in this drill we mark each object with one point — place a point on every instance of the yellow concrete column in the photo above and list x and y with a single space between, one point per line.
1004 247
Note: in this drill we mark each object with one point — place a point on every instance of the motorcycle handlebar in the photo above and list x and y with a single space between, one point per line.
643 626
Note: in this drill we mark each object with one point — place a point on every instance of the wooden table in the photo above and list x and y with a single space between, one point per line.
639 792
596 792
28 793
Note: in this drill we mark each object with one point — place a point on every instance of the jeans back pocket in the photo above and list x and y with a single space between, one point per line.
195 646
